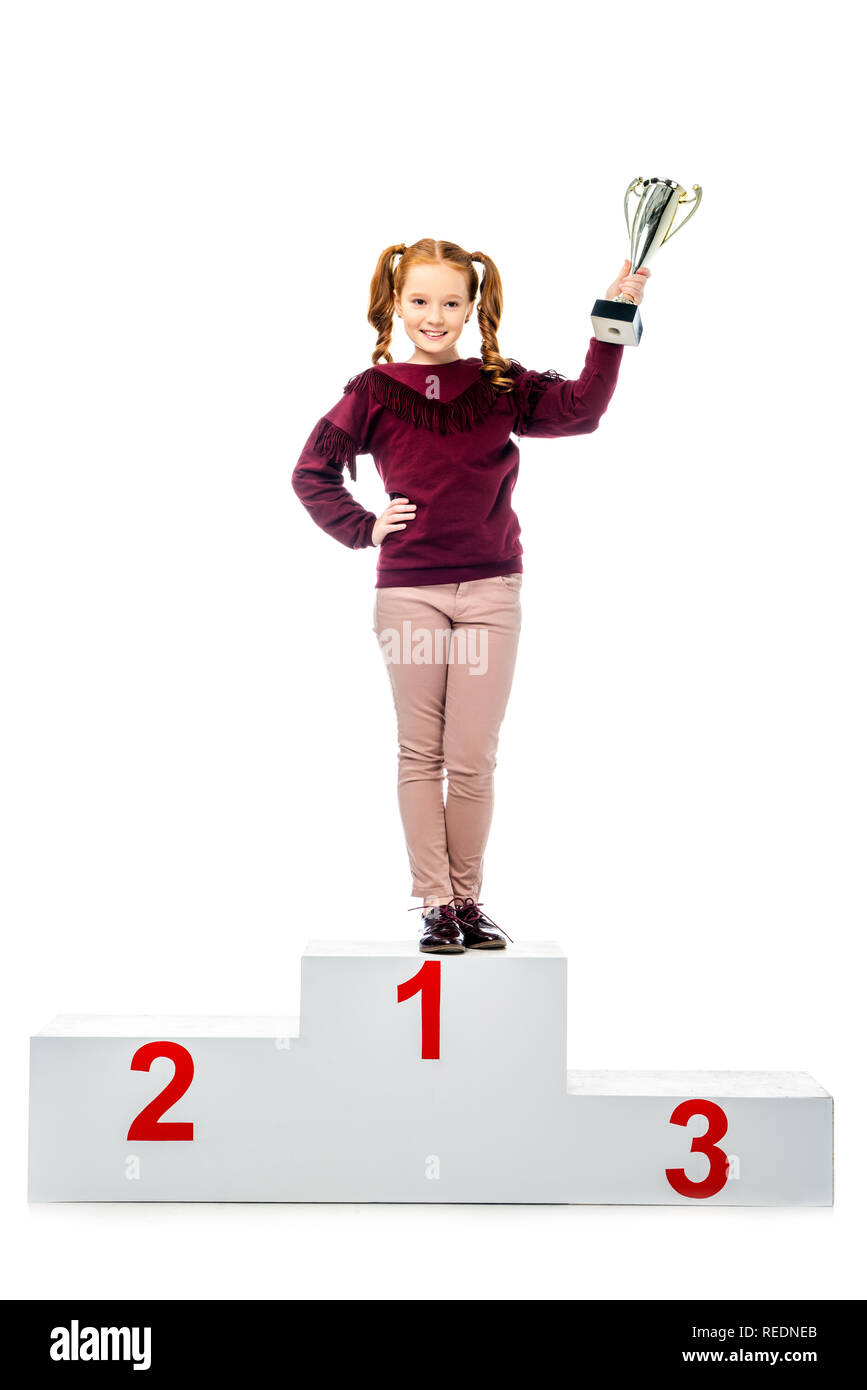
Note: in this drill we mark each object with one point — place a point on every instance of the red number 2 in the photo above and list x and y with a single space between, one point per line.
427 982
148 1125
717 1124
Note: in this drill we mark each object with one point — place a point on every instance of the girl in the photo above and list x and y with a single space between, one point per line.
447 607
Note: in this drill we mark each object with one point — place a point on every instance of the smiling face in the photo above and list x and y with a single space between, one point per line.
435 306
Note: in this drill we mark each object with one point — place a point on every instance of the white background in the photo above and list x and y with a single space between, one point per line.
199 750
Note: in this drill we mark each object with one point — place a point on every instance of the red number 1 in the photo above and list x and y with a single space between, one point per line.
717 1124
427 983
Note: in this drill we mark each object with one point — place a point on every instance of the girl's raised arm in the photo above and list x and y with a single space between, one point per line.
548 405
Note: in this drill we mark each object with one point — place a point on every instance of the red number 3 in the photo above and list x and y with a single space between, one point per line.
717 1124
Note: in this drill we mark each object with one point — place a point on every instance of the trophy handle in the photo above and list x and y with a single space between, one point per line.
696 188
631 189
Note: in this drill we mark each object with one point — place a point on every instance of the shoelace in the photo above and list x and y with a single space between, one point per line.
470 913
422 907
448 914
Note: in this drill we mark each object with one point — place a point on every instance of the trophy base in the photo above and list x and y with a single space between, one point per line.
616 323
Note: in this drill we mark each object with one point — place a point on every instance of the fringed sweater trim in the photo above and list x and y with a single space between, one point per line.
529 386
462 413
336 445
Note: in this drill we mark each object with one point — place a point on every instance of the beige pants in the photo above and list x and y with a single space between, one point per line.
450 653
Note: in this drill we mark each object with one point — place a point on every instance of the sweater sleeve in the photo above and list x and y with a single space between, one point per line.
317 477
548 405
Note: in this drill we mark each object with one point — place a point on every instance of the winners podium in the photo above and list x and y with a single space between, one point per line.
407 1078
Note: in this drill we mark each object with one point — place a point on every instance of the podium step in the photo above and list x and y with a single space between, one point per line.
408 1078
732 1138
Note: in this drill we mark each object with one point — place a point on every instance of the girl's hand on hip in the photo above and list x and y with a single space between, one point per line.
394 518
633 285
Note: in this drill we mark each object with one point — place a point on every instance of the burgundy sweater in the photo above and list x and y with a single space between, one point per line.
441 436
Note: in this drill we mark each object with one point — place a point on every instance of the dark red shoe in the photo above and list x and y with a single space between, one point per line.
442 933
480 933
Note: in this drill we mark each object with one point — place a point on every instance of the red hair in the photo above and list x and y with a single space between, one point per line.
388 278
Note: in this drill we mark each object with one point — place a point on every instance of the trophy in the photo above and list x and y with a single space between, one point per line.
618 320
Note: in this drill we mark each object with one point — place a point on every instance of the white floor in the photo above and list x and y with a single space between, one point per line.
171 1251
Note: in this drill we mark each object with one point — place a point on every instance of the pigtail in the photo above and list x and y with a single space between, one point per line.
490 311
381 311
